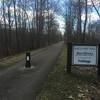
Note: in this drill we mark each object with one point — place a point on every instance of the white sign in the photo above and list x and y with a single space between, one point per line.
84 55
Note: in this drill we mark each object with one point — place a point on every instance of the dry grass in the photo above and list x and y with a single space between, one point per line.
81 84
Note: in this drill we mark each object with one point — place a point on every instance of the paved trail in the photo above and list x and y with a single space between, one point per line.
18 83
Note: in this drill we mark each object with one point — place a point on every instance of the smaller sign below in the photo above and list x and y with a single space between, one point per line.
84 55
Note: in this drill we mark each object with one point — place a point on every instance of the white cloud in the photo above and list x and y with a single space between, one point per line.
30 15
96 2
61 22
93 16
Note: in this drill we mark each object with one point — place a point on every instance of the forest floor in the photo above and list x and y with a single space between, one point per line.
81 84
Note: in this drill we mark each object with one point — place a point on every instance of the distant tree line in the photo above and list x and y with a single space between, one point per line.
27 25
77 29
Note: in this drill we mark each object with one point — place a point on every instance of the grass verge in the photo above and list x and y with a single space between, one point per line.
81 84
11 60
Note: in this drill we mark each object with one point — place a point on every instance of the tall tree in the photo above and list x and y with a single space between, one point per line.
15 18
85 23
95 8
5 29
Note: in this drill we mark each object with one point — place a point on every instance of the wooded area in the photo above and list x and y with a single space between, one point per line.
27 25
78 29
31 24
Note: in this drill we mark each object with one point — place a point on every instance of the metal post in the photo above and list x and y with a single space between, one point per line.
69 57
28 60
98 66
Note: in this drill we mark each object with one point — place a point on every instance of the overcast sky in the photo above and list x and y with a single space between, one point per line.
93 15
60 15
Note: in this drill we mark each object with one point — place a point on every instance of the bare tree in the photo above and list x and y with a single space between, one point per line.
85 23
5 29
15 17
22 30
95 8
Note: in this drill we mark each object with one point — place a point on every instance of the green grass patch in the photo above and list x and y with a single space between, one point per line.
11 60
81 84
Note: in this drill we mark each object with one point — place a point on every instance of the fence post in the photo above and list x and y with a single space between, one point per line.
69 57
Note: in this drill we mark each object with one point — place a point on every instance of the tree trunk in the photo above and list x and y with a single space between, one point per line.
5 32
17 38
86 11
79 27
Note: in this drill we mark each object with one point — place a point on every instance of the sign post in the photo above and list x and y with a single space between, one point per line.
98 71
28 59
69 57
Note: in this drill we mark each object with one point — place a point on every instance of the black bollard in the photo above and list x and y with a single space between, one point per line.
28 60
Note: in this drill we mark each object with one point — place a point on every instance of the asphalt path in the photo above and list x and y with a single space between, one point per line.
20 83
